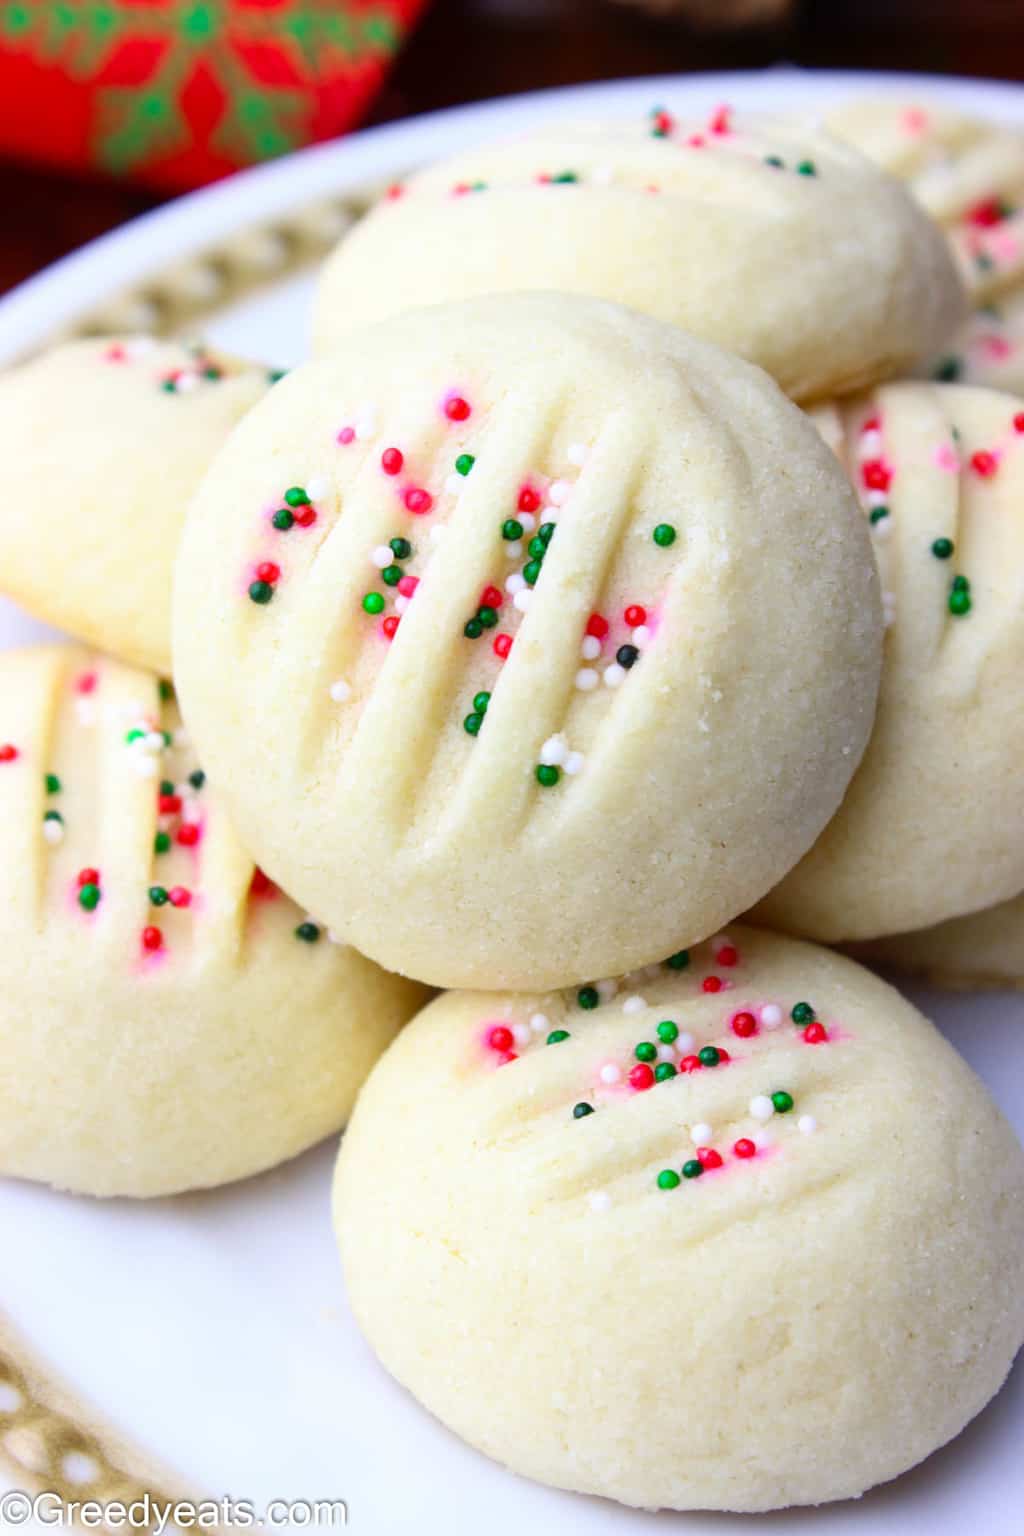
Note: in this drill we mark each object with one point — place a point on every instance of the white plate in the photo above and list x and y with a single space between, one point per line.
212 1328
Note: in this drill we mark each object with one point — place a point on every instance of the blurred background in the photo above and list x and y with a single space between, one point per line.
108 107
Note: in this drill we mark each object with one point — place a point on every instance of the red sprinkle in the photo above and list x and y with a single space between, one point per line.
872 424
635 615
712 984
88 877
395 190
528 501
744 1147
500 1038
188 835
641 1077
984 464
86 683
152 939
723 1054
261 884
744 1025
491 597
876 474
502 645
407 585
721 120
178 896
691 1064
986 213
708 1157
418 501
8 752
347 435
1018 422
506 1057
597 626
268 572
169 805
815 1033
664 122
456 409
391 461
305 516
728 954
696 141
390 625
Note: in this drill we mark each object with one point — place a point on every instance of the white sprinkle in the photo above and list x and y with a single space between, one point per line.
521 1034
522 600
882 529
876 499
85 709
340 691
182 737
515 583
317 487
438 532
53 831
454 484
763 1140
383 555
720 941
559 492
527 520
145 766
577 454
666 1052
514 549
539 1023
641 636
807 1124
761 1107
684 1042
590 649
614 675
603 175
186 383
700 1134
606 989
586 679
634 1004
554 751
574 762
610 1073
771 1016
153 741
365 423
401 603
334 938
600 1200
869 445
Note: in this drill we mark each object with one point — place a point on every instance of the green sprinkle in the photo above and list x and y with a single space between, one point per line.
391 575
807 168
773 160
960 596
307 932
473 629
537 547
373 602
168 386
877 514
663 1071
168 738
546 533
693 1169
488 616
261 591
802 1013
512 529
158 895
197 779
942 548
588 997
481 701
472 723
948 370
296 497
579 1111
668 1031
275 375
679 961
564 178
464 463
89 897
708 1056
210 372
53 816
531 571
664 535
52 784
166 690
166 787
645 1051
668 1179
161 843
783 1101
400 548
283 519
557 1035
547 774
134 735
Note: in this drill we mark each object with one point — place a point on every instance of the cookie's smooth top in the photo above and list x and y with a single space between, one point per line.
968 954
781 245
168 1020
102 443
932 825
728 1249
505 633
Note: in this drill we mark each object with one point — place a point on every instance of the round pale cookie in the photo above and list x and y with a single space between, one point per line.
967 954
923 834
968 174
168 1020
780 244
733 1249
576 646
102 443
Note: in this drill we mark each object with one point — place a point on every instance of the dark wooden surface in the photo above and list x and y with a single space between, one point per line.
467 50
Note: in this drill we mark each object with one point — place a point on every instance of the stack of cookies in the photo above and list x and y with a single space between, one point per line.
615 570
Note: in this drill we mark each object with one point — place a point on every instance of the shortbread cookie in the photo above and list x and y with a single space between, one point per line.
168 1020
528 637
779 244
740 1234
967 954
968 174
102 443
933 824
